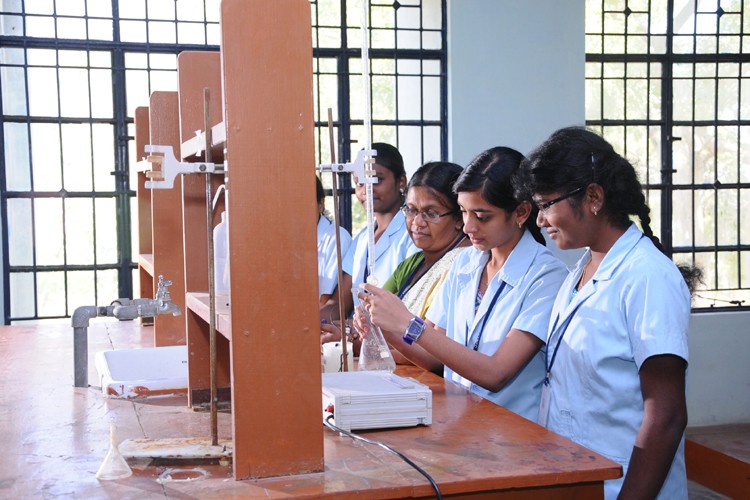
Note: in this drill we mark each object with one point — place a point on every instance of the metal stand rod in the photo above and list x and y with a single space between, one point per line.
211 281
335 189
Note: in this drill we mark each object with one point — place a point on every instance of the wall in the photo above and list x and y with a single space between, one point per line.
719 368
516 72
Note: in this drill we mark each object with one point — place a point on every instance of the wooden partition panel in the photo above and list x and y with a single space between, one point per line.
143 196
166 213
276 384
196 71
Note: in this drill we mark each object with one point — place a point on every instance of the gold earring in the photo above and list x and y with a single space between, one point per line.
520 224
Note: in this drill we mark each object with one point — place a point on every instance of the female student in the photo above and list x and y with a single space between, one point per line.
392 242
328 273
617 346
488 322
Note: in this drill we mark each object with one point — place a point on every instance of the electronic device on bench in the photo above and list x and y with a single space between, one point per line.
375 400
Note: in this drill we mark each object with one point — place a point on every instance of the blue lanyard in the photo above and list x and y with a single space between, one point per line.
366 273
405 287
367 268
547 362
486 316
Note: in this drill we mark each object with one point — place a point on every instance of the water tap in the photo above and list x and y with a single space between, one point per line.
164 302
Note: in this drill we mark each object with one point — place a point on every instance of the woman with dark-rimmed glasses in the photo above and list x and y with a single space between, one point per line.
617 345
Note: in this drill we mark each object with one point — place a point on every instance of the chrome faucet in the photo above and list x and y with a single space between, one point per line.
124 309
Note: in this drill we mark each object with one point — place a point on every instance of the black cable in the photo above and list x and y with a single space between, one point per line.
327 423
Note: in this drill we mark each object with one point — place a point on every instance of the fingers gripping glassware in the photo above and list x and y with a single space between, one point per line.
374 353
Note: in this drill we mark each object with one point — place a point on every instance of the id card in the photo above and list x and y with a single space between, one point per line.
544 405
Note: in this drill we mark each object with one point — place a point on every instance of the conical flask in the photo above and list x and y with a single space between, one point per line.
114 465
374 353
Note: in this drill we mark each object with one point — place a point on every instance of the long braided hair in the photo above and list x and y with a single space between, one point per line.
575 157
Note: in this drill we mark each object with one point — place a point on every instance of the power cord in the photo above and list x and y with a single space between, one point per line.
327 423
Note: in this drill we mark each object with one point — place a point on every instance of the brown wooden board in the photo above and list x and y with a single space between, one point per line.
276 386
166 213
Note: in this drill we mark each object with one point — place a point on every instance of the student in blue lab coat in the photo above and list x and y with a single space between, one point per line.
488 323
328 273
392 241
617 348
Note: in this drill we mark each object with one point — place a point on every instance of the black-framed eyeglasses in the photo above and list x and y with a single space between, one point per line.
427 215
543 207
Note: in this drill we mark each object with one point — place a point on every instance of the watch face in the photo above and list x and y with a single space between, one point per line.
415 329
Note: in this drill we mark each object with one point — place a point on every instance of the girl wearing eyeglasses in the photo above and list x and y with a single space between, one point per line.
488 322
617 347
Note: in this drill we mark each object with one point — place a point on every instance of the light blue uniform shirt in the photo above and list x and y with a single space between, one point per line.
532 277
328 273
635 306
393 246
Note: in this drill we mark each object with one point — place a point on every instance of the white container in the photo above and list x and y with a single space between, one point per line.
221 267
333 359
150 371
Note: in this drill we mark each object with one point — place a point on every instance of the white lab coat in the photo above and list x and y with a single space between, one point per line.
328 273
636 305
532 277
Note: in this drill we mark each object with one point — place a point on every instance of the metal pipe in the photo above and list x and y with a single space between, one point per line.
80 321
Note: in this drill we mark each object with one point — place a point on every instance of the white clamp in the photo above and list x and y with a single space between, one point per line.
364 175
165 167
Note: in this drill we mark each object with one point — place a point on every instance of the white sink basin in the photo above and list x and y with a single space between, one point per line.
135 373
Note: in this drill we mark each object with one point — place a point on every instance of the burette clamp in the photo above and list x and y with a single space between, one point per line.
361 167
162 167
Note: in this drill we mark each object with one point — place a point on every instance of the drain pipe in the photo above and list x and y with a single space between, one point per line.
80 323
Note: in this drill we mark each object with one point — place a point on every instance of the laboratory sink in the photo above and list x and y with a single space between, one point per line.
137 373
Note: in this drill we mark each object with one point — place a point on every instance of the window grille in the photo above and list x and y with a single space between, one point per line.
72 73
668 83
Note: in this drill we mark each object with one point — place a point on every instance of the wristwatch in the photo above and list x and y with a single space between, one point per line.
414 330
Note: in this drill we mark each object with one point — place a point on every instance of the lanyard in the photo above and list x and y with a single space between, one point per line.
486 316
549 362
366 273
405 287
367 268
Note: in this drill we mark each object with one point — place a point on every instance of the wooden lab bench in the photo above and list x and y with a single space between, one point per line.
56 437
